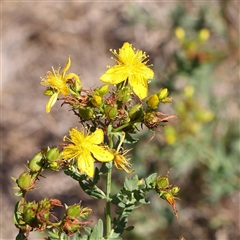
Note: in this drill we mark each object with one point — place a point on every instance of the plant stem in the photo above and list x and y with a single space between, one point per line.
108 198
127 124
108 203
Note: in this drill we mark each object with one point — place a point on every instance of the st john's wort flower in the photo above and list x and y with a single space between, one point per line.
85 149
58 82
131 66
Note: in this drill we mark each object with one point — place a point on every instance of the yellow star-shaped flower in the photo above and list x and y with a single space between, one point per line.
85 150
131 65
58 82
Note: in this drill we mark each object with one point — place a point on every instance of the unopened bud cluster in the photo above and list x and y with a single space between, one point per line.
167 191
45 159
38 216
119 107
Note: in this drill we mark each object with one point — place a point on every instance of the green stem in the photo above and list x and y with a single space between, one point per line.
108 197
126 125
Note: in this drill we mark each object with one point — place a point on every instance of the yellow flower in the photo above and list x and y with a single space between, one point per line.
180 33
120 162
131 66
85 150
58 82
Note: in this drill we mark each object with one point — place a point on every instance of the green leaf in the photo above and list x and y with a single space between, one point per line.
104 168
54 235
108 165
97 232
129 139
130 228
17 214
92 190
79 237
113 236
131 184
20 236
63 236
96 176
150 180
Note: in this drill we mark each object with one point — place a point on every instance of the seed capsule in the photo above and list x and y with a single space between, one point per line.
124 94
52 154
24 181
163 182
103 90
74 211
136 112
86 113
36 163
110 111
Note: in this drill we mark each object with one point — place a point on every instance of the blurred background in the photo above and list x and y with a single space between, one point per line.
193 46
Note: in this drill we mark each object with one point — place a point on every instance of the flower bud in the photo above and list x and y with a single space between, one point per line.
166 100
29 216
53 166
48 92
36 163
153 101
180 33
24 181
204 34
103 90
86 113
52 154
77 86
29 212
149 117
45 203
189 91
162 93
124 94
136 112
74 211
110 111
71 226
141 183
175 190
96 101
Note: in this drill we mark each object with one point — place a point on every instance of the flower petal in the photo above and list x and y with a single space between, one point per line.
115 75
126 53
101 154
76 136
51 102
96 137
69 152
67 66
139 85
74 76
86 163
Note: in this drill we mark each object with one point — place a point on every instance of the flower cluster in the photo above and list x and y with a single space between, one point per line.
108 115
121 109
